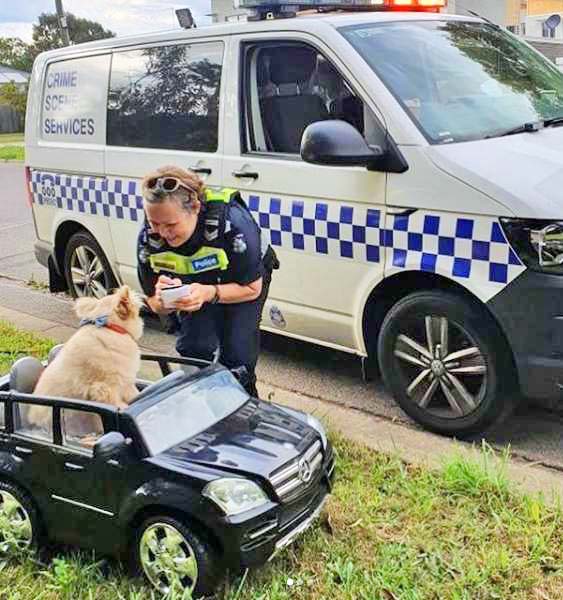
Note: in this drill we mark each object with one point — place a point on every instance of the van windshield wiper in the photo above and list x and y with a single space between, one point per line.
531 127
554 122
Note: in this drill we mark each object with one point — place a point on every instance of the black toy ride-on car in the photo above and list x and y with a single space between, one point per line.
193 479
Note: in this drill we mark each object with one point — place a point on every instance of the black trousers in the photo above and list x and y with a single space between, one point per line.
233 328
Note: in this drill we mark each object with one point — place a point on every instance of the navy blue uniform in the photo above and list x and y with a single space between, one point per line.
234 328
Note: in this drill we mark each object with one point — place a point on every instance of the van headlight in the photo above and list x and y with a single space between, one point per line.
538 243
234 495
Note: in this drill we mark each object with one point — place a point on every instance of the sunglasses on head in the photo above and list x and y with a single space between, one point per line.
166 184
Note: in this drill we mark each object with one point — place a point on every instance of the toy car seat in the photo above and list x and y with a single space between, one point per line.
24 374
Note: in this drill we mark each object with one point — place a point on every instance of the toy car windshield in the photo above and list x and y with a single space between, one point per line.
182 406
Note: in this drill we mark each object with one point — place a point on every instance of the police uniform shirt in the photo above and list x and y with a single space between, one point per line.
238 236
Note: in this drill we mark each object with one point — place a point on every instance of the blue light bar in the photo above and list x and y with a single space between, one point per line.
304 4
284 8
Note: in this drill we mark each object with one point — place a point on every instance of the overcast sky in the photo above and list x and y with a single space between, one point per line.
124 17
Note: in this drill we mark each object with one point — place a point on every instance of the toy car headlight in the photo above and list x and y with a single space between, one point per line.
234 496
308 420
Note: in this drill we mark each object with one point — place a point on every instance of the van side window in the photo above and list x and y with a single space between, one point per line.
166 97
291 85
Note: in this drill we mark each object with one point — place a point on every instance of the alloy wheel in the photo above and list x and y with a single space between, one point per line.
16 531
168 560
444 368
87 273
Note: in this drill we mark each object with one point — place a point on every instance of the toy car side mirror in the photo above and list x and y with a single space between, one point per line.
111 445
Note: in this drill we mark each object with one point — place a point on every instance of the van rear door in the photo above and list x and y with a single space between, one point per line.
65 139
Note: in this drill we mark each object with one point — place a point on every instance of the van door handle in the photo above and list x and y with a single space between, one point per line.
72 467
243 174
201 170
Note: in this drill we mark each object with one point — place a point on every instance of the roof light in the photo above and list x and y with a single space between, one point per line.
270 9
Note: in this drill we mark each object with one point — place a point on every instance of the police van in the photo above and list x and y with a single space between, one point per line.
406 166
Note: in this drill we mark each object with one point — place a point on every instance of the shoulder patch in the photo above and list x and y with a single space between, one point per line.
211 229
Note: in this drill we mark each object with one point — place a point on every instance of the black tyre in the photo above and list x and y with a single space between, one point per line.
86 268
175 558
20 525
446 363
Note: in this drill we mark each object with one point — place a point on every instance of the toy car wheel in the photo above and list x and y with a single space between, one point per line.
446 363
19 520
87 270
175 559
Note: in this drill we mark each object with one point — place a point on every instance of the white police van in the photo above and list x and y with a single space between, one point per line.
407 167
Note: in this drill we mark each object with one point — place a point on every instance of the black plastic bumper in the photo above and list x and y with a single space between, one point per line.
530 312
45 255
252 542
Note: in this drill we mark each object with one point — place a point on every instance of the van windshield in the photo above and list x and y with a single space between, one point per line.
460 80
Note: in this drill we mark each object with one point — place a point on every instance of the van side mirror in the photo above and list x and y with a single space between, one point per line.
110 446
338 143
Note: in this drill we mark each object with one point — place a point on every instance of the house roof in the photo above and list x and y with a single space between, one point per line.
8 74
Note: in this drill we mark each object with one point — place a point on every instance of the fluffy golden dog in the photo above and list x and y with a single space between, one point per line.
101 360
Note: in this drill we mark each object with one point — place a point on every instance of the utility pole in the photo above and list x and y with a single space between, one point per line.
62 22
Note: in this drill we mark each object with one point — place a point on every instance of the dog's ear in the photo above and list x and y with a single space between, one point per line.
83 307
124 306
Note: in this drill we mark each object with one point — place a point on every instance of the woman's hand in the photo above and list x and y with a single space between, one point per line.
155 302
199 295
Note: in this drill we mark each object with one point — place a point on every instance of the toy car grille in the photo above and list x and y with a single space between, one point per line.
298 473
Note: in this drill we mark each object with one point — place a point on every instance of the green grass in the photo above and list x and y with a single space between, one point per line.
11 138
15 343
391 531
12 153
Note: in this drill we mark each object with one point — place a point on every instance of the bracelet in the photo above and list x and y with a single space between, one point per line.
217 297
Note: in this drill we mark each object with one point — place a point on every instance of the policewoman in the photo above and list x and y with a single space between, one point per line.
210 240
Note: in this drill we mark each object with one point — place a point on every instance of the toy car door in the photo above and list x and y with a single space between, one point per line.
87 488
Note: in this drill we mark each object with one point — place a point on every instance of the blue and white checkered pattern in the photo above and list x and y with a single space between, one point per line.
320 228
115 198
458 247
471 250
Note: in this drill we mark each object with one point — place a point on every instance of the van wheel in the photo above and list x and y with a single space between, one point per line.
446 363
175 559
87 270
20 525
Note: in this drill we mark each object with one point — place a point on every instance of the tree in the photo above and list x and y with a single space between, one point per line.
16 54
47 33
11 95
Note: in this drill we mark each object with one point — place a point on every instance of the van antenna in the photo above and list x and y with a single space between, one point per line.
475 14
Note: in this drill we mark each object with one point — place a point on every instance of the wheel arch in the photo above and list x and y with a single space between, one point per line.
155 510
393 288
64 232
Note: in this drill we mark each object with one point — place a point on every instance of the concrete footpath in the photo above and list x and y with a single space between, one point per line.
379 433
